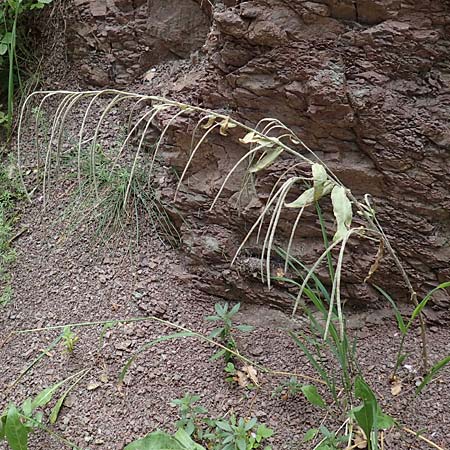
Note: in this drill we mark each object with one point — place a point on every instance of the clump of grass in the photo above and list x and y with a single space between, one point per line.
113 197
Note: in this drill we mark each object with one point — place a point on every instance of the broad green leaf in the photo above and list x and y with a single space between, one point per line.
313 397
224 426
186 441
235 309
310 434
3 49
158 440
366 414
7 38
342 209
269 157
27 407
241 444
384 421
16 432
264 432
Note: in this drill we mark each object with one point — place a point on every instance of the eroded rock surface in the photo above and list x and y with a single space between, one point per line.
365 83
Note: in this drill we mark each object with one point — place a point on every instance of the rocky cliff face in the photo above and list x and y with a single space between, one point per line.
365 83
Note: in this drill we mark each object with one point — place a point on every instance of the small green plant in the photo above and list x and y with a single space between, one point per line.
17 422
330 440
288 389
240 434
69 339
198 432
225 332
189 413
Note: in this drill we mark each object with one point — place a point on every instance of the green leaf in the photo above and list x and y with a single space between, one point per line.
384 421
45 396
245 328
434 370
57 408
3 49
365 414
7 38
186 441
269 157
424 302
313 397
159 440
16 432
342 209
264 432
310 434
241 444
27 408
235 309
224 425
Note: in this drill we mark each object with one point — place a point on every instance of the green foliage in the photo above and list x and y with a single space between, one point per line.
330 440
287 389
432 373
197 432
18 422
225 332
189 413
10 13
10 193
159 440
69 339
369 415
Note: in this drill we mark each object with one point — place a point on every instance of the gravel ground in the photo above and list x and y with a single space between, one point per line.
78 281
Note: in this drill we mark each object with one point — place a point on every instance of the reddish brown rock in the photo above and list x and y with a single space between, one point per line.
365 83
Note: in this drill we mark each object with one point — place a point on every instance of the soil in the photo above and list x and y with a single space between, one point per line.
78 280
